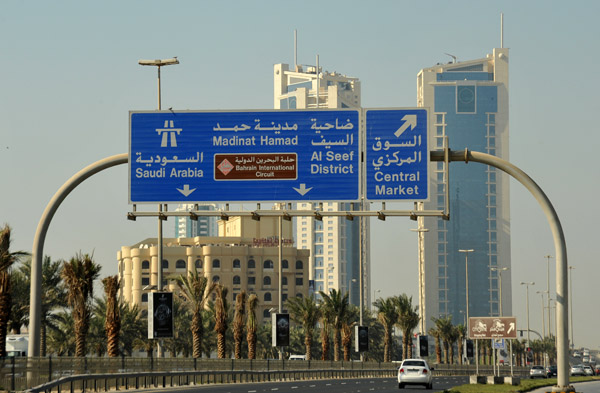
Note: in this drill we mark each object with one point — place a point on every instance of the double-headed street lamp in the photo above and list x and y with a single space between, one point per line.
467 251
158 63
527 284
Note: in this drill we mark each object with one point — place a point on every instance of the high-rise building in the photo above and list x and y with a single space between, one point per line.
334 242
203 226
468 103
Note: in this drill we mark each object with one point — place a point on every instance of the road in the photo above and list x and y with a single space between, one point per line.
364 385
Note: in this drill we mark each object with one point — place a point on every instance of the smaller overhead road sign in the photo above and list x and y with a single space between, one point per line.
397 155
492 327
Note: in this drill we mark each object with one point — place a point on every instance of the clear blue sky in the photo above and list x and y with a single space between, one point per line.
69 76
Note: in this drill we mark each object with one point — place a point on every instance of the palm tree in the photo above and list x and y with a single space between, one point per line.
238 323
444 327
408 320
435 333
79 274
196 290
113 316
7 259
346 331
251 326
387 315
19 293
53 296
61 340
453 335
337 306
305 311
133 327
221 311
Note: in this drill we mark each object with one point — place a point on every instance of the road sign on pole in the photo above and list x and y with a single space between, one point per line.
492 327
244 156
397 154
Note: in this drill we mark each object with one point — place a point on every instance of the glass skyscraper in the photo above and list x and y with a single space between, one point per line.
468 103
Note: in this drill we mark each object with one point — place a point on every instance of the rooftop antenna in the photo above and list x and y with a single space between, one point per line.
502 30
295 50
452 56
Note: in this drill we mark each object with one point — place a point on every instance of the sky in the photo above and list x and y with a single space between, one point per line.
69 76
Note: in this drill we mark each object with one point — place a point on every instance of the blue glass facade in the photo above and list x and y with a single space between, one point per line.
465 111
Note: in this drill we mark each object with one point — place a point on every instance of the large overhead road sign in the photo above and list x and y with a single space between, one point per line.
492 327
244 156
397 154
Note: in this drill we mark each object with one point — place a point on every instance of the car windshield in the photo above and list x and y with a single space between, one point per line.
413 363
538 367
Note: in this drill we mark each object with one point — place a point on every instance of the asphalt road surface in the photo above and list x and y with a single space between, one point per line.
363 385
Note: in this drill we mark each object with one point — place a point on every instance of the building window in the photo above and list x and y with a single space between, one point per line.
145 280
216 278
251 280
283 280
251 263
267 281
180 264
198 263
145 265
285 264
284 297
144 297
299 295
267 297
165 264
236 280
299 281
299 265
266 314
216 263
268 264
237 264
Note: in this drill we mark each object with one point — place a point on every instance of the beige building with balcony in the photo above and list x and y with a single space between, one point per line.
245 256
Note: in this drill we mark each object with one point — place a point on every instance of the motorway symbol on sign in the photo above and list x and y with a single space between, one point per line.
397 154
244 156
492 327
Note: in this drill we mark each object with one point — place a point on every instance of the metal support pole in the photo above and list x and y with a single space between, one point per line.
560 246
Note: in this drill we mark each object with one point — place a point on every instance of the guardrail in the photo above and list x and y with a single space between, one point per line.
106 382
80 374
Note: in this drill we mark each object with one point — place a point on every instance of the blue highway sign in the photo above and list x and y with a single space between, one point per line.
396 155
244 156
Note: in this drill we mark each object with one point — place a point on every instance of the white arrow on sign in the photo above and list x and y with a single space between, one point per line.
186 190
409 121
302 190
511 328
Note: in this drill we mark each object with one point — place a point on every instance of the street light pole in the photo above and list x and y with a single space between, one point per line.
571 302
499 270
467 251
421 256
527 284
548 289
158 63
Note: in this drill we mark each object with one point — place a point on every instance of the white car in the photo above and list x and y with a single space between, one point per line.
588 370
415 372
537 372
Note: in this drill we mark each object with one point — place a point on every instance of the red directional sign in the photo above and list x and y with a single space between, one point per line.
492 327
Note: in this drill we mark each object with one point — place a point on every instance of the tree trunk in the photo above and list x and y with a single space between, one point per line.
325 343
251 338
336 345
308 344
221 347
4 310
197 331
